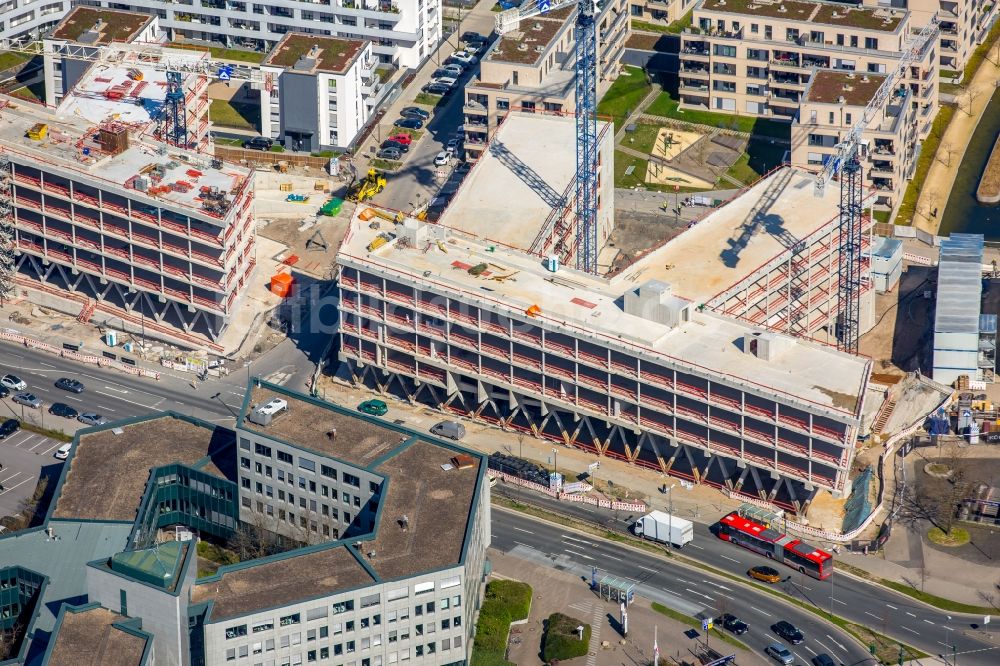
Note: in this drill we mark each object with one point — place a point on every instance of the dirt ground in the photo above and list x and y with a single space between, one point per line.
314 260
901 340
637 233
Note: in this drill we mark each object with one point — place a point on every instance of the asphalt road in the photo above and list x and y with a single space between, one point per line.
681 588
895 615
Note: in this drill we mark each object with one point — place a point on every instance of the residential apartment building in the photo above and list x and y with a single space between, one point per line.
321 91
533 68
659 11
964 24
30 18
755 57
399 580
402 32
833 101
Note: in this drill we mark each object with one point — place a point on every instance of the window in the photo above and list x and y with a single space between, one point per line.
365 622
263 626
445 624
456 601
284 457
258 468
245 501
237 631
262 450
245 482
281 475
423 588
290 619
723 50
352 480
328 471
445 603
269 491
343 607
231 654
244 463
123 601
258 648
316 613
370 600
430 606
324 631
871 42
349 626
244 443
308 465
398 593
446 644
357 498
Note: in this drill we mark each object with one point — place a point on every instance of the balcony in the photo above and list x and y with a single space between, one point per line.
693 86
884 147
695 71
881 167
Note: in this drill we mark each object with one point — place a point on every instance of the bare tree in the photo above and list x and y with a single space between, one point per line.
252 540
924 574
945 153
10 641
968 98
937 499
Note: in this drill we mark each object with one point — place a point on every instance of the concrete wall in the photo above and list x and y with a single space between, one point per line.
299 110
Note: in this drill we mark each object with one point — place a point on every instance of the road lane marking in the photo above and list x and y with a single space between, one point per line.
46 365
842 603
892 607
523 544
107 409
910 614
116 390
586 543
699 594
118 397
573 552
911 631
836 643
647 568
872 615
731 559
694 545
820 643
929 622
718 585
70 397
522 530
612 557
760 611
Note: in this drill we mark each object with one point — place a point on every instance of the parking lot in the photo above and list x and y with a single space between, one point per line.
23 455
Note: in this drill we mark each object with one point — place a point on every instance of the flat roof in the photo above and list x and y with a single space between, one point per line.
358 441
70 132
501 198
108 470
531 41
334 55
836 14
733 241
960 284
589 307
116 25
436 503
282 581
89 638
856 89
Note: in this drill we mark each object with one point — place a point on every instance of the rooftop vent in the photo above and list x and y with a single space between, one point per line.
404 523
463 461
536 26
539 49
841 100
782 9
766 346
865 78
522 47
655 302
264 414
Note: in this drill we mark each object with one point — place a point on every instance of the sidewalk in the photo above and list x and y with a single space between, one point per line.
941 176
554 591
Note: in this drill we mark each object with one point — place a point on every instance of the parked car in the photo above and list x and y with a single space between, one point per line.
453 145
67 384
456 69
27 399
409 123
823 659
463 167
734 624
787 631
13 382
470 36
395 145
437 89
449 81
449 429
442 159
415 112
404 139
91 419
4 392
390 154
258 143
373 407
766 574
780 653
8 428
63 451
63 410
463 57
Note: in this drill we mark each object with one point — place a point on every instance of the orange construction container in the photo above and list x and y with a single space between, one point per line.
281 284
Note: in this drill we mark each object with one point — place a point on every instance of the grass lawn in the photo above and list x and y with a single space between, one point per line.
229 142
386 165
957 537
34 92
908 206
242 116
952 88
638 176
427 99
624 95
643 138
977 57
562 642
675 28
237 54
10 59
881 215
665 105
506 601
760 158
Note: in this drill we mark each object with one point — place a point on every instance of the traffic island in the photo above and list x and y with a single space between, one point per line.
565 638
953 538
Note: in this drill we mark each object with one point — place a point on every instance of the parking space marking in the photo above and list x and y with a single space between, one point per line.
29 438
7 489
55 445
41 442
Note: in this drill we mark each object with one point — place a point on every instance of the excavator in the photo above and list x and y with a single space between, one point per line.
365 189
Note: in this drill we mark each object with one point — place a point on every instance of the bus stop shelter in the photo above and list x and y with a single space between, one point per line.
618 590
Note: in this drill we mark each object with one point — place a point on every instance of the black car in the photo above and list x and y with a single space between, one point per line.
401 147
415 112
787 631
823 660
258 143
436 89
4 392
409 123
68 384
8 428
390 154
472 37
734 624
63 410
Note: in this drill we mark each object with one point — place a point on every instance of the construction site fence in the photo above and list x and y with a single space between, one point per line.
77 356
268 158
602 503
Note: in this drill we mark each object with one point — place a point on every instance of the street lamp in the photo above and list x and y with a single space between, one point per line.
555 461
670 507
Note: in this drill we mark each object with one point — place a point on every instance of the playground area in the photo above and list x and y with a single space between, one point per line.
690 156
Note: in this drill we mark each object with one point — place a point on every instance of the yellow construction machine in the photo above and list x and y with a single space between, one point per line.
363 190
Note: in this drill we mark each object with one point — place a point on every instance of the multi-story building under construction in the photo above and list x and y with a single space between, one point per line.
105 221
695 360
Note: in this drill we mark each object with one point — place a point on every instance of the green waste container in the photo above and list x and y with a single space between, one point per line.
332 207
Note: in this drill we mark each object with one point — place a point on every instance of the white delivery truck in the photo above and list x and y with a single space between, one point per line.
658 526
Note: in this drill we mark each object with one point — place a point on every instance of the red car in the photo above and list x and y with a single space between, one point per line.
404 139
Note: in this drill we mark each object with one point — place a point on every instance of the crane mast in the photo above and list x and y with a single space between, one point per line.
585 234
847 163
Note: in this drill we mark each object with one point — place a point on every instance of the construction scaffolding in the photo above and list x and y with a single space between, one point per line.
7 259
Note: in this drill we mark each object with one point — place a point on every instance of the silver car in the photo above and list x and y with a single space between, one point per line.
27 399
780 653
91 419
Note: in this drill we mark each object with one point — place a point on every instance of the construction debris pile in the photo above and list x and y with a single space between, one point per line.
152 178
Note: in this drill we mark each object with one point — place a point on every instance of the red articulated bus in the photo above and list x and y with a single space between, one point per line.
777 546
